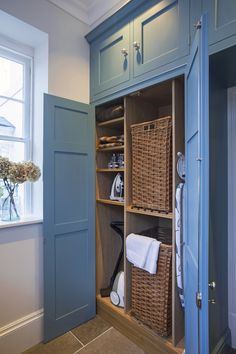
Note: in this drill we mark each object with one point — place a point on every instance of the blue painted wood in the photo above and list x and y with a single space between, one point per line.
197 195
163 35
222 19
69 220
161 28
109 66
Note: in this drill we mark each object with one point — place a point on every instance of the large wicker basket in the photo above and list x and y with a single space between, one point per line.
152 165
151 293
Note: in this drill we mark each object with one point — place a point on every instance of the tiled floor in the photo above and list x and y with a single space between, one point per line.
93 337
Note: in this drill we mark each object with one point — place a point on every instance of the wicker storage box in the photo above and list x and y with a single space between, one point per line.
152 165
151 293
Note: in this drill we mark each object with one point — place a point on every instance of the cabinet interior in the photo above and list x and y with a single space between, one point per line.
165 99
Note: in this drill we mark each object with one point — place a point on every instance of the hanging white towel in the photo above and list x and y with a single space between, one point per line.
152 257
143 252
179 240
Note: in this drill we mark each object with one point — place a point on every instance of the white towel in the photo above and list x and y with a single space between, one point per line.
143 252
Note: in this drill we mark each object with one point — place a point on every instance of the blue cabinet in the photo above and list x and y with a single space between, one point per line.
137 43
110 61
160 35
222 19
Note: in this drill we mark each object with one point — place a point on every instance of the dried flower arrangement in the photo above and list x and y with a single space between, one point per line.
13 174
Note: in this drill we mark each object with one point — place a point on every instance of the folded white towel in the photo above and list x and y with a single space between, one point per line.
142 252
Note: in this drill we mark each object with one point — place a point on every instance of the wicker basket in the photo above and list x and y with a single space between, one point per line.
152 164
151 293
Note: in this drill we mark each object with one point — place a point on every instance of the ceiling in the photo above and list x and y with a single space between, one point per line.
92 12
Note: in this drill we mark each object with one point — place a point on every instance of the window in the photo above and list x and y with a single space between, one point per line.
15 113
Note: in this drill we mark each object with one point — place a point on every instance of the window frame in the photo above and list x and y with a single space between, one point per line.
27 62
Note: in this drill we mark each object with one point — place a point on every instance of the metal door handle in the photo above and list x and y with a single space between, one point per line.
136 45
124 52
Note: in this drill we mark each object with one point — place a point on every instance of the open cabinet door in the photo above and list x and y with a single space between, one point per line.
197 194
69 215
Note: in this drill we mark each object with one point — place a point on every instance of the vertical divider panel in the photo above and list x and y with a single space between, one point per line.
178 146
137 110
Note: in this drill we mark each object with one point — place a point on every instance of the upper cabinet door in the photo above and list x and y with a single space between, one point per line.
110 61
222 19
161 35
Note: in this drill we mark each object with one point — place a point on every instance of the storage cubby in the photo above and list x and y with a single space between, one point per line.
165 99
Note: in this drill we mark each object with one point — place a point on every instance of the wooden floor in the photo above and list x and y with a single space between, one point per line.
144 337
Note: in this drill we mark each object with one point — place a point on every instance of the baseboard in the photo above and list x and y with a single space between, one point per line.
22 334
221 347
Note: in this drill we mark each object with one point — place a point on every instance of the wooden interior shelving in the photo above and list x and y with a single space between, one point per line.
133 329
141 211
157 101
117 122
110 202
110 170
112 148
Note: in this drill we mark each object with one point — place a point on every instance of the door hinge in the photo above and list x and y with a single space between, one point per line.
199 300
198 25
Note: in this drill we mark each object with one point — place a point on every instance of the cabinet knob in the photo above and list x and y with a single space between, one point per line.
136 45
124 52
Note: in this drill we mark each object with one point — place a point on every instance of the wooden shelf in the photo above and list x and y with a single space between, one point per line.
112 148
116 122
141 211
110 170
110 202
133 329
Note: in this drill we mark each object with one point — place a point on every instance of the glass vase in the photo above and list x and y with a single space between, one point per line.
10 206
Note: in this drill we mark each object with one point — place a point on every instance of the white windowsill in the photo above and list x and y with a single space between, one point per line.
22 222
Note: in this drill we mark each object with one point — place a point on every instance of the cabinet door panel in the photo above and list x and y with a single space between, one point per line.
222 19
161 34
111 66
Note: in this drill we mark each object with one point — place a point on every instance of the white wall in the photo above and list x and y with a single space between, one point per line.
21 248
21 279
68 50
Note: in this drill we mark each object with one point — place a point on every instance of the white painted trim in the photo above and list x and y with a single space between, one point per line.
22 222
76 9
232 212
22 334
20 322
91 12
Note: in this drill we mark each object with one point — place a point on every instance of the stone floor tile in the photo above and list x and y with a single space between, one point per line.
91 329
65 344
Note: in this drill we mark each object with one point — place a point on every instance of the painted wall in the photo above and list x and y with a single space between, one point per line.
68 50
218 240
21 248
21 279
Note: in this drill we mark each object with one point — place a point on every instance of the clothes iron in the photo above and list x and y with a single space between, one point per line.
117 189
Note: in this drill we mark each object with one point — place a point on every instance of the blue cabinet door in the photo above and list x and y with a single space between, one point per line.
222 19
161 35
110 63
69 221
197 195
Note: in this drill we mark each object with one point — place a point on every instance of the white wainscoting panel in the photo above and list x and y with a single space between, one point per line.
21 279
